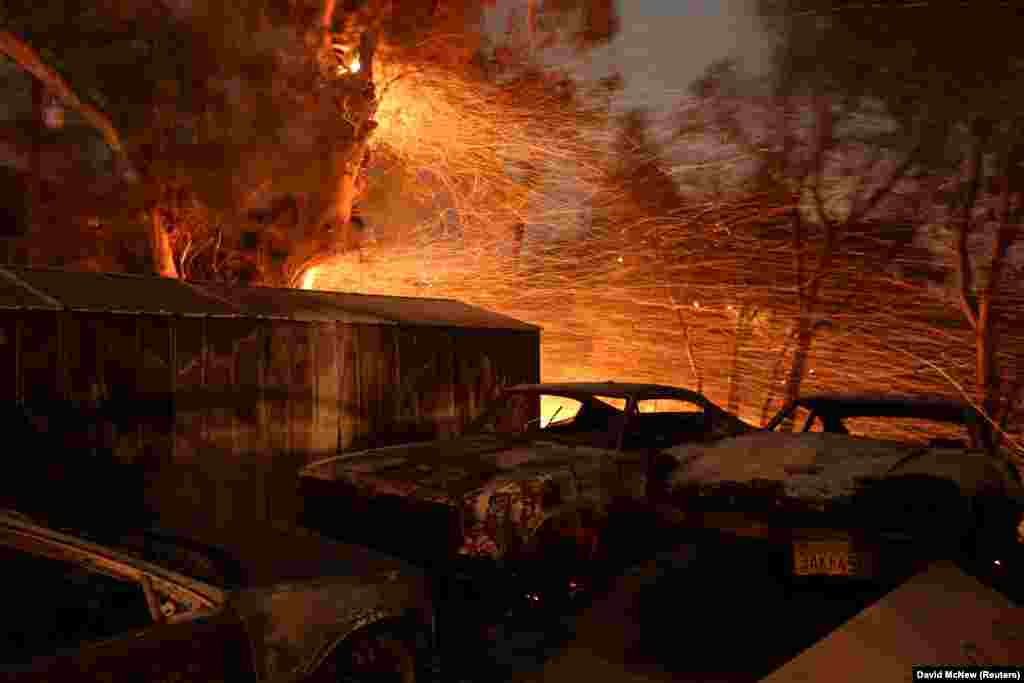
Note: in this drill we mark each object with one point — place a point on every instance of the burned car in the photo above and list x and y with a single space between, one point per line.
532 483
154 607
868 488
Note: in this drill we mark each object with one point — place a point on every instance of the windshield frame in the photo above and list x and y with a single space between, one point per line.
939 412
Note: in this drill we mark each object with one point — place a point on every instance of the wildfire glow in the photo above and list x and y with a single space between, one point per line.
354 66
309 277
610 304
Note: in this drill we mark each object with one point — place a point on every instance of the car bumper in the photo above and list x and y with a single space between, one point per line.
808 550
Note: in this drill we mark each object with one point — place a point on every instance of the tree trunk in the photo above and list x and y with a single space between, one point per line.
340 191
326 21
980 308
688 344
776 372
160 245
804 338
987 370
742 335
345 195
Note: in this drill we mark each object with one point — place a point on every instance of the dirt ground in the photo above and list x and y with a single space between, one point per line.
682 615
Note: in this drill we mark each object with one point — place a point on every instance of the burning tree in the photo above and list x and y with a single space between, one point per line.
245 138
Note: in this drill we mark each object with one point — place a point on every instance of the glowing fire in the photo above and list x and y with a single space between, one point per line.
309 277
350 63
556 407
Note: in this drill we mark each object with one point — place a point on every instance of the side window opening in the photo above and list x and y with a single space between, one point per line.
668 405
62 605
612 401
800 419
809 422
665 422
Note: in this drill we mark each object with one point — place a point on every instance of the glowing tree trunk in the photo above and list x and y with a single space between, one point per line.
341 189
744 324
160 245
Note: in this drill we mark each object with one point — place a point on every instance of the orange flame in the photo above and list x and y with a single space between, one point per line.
309 277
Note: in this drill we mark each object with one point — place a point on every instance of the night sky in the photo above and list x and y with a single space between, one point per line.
666 44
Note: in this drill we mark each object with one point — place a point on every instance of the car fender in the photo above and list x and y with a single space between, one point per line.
294 627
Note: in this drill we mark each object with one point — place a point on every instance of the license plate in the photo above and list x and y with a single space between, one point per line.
826 558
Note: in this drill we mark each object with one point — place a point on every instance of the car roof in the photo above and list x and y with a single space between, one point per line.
882 405
613 389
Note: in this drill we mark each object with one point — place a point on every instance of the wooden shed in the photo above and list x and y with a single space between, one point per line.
224 392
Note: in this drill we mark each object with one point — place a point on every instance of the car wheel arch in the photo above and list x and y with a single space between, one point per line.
404 626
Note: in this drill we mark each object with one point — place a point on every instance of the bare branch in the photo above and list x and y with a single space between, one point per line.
688 343
1005 237
326 21
819 201
883 190
26 57
967 301
799 258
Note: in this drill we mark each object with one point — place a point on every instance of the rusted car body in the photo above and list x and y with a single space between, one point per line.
116 611
847 497
522 488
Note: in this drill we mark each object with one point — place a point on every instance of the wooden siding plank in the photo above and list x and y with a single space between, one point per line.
327 395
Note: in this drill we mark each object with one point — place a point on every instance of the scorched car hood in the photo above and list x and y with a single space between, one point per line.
500 485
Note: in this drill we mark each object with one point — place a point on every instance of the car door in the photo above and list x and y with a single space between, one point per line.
69 618
210 649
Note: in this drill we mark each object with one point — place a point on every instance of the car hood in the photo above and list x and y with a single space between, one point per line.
270 556
447 471
503 488
308 592
821 466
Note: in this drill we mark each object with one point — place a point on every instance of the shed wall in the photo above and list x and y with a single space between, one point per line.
222 412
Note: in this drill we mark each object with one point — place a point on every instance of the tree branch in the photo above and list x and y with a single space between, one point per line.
880 192
1005 237
798 253
326 21
967 302
26 57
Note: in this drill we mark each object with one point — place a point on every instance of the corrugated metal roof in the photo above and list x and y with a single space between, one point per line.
614 389
314 305
107 292
287 304
15 294
52 289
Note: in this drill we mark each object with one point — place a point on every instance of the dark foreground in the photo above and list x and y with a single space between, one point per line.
686 614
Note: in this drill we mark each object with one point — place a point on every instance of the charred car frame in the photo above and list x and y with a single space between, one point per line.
851 497
522 504
133 608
